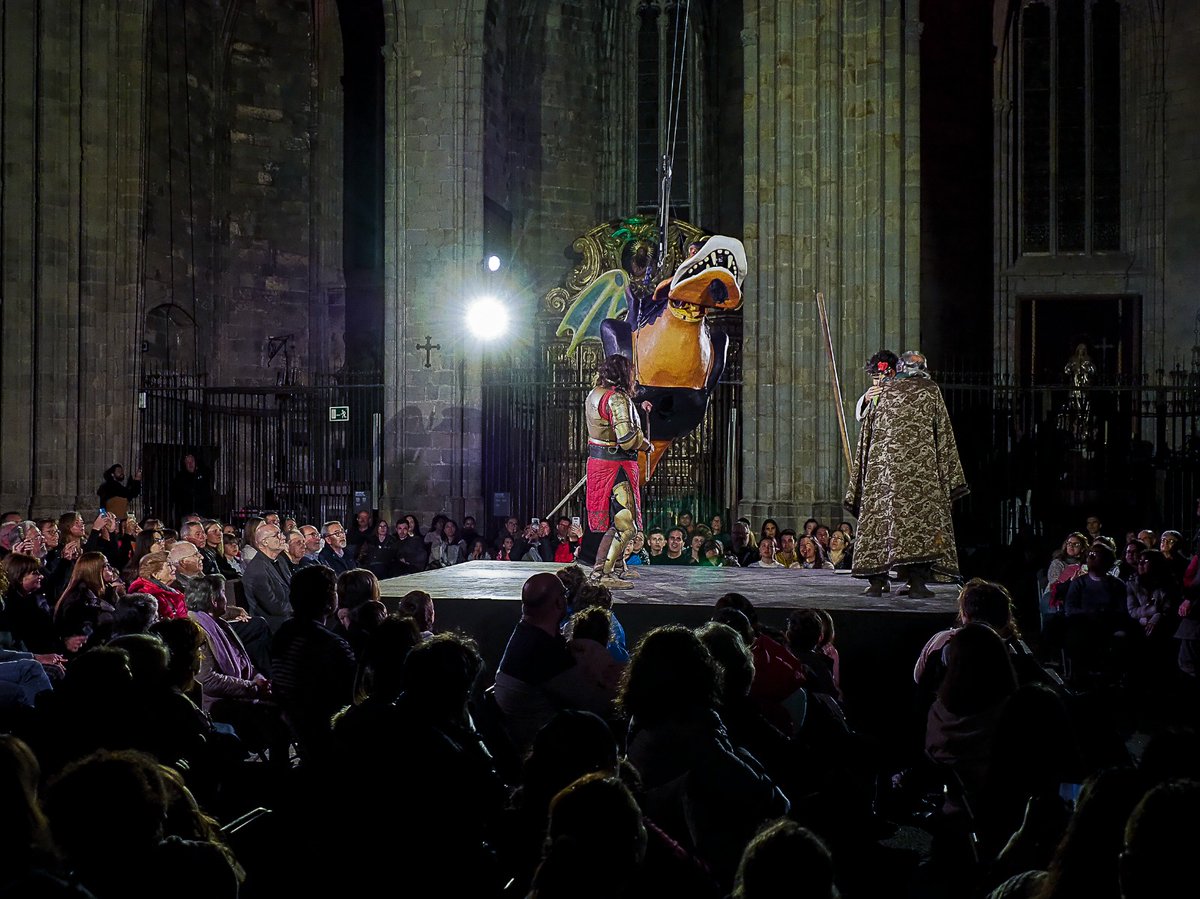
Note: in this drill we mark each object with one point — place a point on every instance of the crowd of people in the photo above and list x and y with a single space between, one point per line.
155 682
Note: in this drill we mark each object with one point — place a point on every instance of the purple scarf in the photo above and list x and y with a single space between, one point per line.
229 656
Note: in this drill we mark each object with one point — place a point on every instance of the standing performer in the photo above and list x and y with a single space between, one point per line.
614 440
906 473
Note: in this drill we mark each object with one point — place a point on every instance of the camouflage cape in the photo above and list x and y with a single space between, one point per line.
906 472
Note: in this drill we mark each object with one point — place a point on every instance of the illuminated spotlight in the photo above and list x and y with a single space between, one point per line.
487 318
492 263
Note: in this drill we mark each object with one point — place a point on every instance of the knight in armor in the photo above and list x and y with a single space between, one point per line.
613 493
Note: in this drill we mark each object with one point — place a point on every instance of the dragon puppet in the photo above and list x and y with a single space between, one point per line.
677 358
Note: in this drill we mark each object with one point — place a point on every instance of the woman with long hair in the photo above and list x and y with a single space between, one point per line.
145 543
1150 594
249 548
377 553
770 528
89 602
811 554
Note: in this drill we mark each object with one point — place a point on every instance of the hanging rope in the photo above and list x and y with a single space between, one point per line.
674 104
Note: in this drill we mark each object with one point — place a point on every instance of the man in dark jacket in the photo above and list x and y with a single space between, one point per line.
191 489
114 485
267 578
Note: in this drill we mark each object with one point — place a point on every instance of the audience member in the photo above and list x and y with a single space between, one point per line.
267 578
785 859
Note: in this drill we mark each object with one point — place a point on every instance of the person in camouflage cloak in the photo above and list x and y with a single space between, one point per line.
906 473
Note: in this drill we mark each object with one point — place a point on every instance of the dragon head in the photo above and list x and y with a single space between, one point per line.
710 278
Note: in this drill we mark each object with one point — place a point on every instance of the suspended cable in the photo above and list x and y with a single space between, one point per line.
674 105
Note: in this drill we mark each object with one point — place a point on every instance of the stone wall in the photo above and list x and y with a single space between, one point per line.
831 204
70 222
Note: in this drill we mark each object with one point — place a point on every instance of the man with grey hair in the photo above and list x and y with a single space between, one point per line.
193 533
334 554
267 577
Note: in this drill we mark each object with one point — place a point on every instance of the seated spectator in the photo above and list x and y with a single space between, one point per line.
595 817
537 675
822 535
743 549
1149 594
361 530
587 595
506 551
124 793
962 720
766 554
656 542
418 605
214 549
452 549
193 533
312 668
359 608
674 554
1155 842
232 554
410 549
1127 567
841 553
334 554
1066 564
770 528
377 551
136 614
1096 617
1087 859
712 554
699 787
781 853
156 576
978 601
786 553
267 578
22 679
146 542
590 633
804 630
1171 546
250 538
358 727
477 552
27 614
571 745
778 676
635 552
812 555
32 866
743 721
188 566
295 552
829 649
86 606
1188 631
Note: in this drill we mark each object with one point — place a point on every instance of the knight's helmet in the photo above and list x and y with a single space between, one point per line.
713 276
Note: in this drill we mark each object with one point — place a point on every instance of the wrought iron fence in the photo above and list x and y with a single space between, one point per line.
535 446
311 451
1046 456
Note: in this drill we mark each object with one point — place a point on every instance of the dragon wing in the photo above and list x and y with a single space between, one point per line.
603 298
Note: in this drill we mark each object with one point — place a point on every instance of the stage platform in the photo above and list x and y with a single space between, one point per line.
878 638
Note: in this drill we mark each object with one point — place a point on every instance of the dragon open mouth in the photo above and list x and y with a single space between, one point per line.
719 258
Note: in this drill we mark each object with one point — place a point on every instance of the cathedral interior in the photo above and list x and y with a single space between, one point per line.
257 231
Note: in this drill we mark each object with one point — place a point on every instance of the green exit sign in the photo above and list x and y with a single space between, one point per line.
339 413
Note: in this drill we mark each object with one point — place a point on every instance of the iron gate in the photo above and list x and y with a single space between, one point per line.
310 451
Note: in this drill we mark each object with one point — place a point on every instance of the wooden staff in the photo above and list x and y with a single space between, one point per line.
837 382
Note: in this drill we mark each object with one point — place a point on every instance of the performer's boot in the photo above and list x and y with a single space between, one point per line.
879 586
602 571
614 563
917 576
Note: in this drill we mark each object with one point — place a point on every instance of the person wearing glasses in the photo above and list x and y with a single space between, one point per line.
267 578
1067 563
334 554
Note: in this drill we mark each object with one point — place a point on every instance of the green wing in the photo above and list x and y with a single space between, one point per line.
603 298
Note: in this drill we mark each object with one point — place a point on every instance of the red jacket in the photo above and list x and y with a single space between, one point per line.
171 603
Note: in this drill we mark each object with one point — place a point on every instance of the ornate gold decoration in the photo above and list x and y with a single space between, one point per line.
616 244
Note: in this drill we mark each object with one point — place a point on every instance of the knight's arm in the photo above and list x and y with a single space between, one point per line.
625 423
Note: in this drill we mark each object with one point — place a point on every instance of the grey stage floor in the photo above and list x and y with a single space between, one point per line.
681 586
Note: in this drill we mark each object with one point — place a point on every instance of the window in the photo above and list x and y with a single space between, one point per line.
1068 125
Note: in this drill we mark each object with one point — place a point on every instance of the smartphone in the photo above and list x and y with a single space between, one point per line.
574 521
535 522
1069 792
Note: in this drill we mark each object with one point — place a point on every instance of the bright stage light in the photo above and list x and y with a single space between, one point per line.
487 318
493 263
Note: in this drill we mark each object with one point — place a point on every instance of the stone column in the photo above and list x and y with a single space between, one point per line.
831 205
433 246
73 109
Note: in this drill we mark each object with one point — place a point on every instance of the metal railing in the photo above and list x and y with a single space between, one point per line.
305 450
